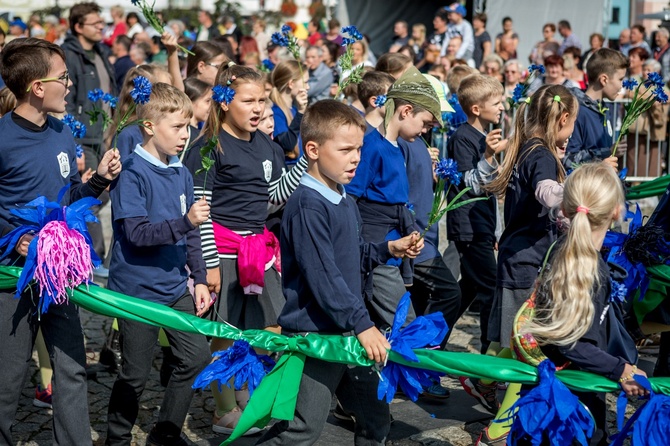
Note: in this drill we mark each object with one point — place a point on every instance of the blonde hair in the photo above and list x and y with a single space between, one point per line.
151 72
564 309
7 101
539 119
422 29
456 75
283 73
164 99
476 89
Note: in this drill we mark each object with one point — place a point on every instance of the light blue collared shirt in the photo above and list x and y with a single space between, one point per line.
173 161
325 191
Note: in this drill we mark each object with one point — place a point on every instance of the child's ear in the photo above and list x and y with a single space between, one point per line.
475 110
603 79
371 102
405 111
311 149
563 121
148 127
201 66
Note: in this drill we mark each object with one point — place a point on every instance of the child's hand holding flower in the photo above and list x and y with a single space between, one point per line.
409 246
110 165
169 41
203 299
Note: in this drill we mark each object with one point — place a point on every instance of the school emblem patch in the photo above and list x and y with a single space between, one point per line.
182 201
267 170
64 164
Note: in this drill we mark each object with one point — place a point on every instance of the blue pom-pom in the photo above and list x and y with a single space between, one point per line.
549 413
240 361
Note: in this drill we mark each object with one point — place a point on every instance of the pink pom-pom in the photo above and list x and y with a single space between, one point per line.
63 260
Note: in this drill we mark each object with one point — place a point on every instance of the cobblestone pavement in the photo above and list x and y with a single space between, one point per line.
455 422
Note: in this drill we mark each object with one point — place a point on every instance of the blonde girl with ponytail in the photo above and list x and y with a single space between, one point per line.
573 296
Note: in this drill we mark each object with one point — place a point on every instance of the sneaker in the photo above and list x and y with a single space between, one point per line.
342 415
226 424
485 440
436 391
485 394
42 397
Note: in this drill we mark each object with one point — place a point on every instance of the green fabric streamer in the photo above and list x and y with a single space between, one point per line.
277 394
658 290
651 188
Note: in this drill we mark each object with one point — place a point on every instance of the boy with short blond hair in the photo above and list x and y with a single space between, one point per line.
38 158
472 227
156 237
323 255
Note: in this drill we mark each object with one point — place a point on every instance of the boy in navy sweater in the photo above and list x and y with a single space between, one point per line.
323 256
38 158
472 227
593 136
155 237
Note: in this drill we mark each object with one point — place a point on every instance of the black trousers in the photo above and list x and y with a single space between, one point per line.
478 280
435 290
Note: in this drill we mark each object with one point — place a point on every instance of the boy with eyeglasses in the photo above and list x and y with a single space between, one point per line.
37 158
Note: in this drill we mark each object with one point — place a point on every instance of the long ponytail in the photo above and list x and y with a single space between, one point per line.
565 310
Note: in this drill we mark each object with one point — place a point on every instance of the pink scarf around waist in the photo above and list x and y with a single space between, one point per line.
256 253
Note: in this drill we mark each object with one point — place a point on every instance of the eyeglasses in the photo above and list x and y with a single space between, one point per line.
95 24
64 79
215 65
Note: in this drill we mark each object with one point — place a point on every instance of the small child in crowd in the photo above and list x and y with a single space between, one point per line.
472 227
38 158
156 219
289 95
374 85
322 258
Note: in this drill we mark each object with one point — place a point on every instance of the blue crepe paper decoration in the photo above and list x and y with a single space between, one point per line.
549 412
423 331
240 361
650 424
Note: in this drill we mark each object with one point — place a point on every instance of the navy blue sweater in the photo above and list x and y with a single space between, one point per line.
38 161
593 135
323 259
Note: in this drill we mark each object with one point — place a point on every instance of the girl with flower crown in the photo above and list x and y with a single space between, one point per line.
247 181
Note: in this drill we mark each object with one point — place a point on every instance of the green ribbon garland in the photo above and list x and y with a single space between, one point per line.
651 188
276 396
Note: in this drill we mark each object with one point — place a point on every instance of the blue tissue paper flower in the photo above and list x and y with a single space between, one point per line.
353 32
661 95
535 67
447 169
141 91
267 64
279 39
78 129
240 361
424 331
518 93
223 95
95 95
380 101
549 413
654 80
629 84
110 99
79 150
285 29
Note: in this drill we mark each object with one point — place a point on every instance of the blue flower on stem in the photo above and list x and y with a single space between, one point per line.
285 29
380 101
654 80
78 129
110 99
661 95
618 291
519 90
353 32
268 65
135 2
279 39
223 95
535 67
79 150
447 169
141 91
629 84
95 95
